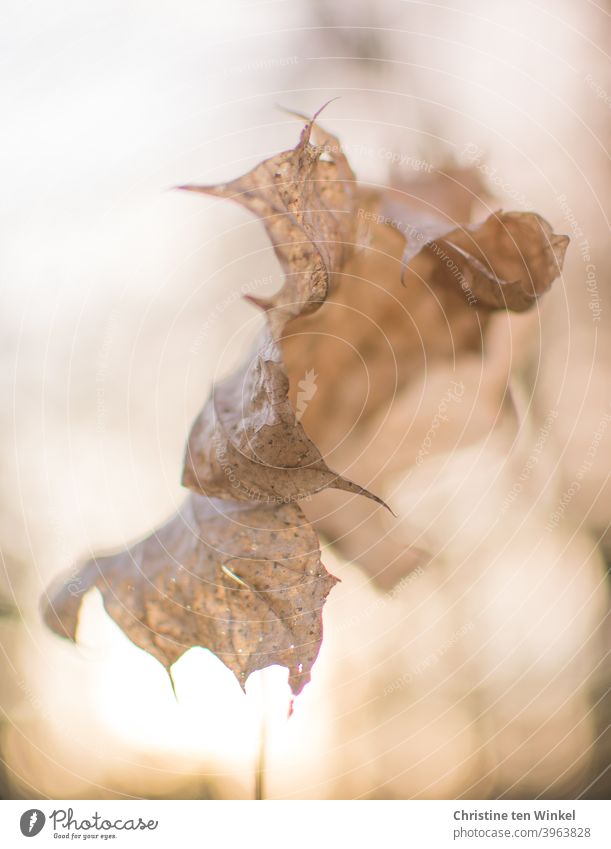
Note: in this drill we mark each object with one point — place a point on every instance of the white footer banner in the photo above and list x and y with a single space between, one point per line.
304 824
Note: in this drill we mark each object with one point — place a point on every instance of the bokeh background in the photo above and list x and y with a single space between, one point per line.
486 673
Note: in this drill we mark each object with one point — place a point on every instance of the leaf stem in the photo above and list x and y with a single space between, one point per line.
262 749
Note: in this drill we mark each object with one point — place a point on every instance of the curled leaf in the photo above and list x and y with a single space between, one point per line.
247 444
244 581
415 297
238 571
505 262
307 206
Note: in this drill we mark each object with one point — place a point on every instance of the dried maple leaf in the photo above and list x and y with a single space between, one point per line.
241 575
244 581
247 443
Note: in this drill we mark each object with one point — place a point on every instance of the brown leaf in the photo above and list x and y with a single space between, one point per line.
375 339
506 262
244 581
242 575
374 336
307 207
247 444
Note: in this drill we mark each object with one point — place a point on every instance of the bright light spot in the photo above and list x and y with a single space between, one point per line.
212 716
